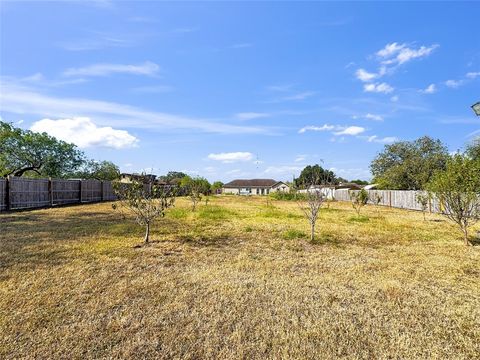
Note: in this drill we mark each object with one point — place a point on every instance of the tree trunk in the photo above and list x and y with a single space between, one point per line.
312 234
465 237
147 233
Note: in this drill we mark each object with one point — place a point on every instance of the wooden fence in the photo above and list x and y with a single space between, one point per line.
24 193
403 199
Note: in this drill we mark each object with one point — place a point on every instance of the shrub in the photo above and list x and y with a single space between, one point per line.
359 199
458 189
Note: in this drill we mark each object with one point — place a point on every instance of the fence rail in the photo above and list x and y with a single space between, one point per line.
23 193
403 199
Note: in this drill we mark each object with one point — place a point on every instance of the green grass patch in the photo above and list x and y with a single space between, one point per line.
293 234
214 213
178 213
359 219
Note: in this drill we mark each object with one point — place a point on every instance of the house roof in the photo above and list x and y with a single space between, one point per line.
251 183
347 185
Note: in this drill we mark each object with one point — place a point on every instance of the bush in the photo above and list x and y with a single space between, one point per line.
290 196
458 189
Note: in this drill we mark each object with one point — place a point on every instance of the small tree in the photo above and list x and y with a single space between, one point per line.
195 188
359 199
144 200
458 189
423 199
310 204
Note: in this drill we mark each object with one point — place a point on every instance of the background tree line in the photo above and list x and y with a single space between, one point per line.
32 154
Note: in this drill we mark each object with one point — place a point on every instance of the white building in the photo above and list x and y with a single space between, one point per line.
254 187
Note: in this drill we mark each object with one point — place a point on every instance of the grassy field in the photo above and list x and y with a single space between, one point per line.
237 279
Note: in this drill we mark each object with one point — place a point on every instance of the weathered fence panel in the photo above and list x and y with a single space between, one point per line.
108 193
27 193
65 191
91 191
403 199
3 194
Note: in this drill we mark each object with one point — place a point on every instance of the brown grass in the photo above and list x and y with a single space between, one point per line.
237 279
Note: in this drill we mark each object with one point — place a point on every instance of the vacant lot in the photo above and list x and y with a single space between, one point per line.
237 279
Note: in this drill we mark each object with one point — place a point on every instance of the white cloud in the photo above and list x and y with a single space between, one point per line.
325 127
473 75
21 100
385 140
378 88
365 76
84 133
395 53
394 98
340 133
299 96
338 130
430 89
231 157
454 83
390 49
251 115
374 117
148 68
300 158
350 130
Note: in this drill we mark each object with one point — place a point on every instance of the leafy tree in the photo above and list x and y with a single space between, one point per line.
24 152
409 165
359 199
146 202
423 199
195 187
473 149
359 182
458 189
100 170
173 177
315 175
216 186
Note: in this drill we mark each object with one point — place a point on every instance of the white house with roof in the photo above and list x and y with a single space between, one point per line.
254 187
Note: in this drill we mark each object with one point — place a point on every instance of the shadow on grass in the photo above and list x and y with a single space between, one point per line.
216 241
359 219
475 241
326 238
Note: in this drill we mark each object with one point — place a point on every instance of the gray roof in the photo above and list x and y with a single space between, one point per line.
266 183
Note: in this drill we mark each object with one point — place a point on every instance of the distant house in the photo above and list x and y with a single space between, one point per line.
254 187
350 186
329 190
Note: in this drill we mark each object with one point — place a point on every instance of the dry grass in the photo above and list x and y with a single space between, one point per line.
237 279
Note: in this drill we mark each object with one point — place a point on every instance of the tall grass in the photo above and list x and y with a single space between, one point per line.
236 279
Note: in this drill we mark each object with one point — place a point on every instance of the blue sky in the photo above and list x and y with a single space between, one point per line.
241 90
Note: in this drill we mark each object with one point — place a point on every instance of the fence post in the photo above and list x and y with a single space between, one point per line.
102 191
7 194
50 191
80 191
